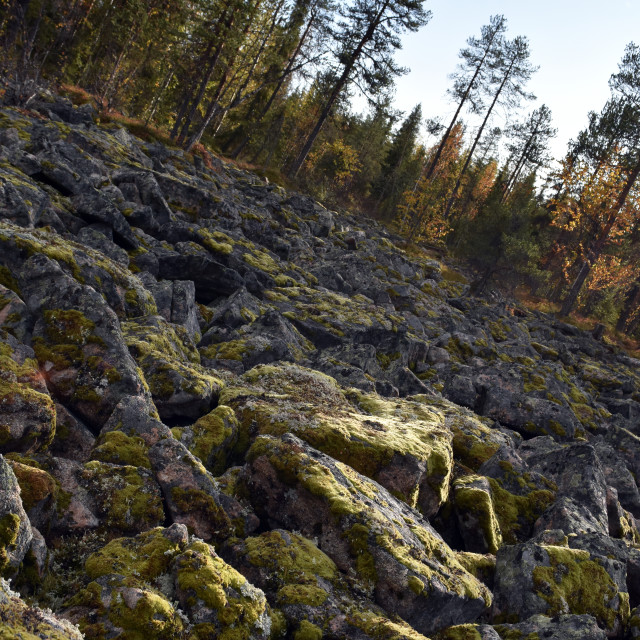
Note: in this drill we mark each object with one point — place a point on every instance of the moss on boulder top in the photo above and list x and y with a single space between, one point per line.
171 365
135 580
365 530
400 443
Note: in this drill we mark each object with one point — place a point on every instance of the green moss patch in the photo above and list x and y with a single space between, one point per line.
116 447
575 581
128 499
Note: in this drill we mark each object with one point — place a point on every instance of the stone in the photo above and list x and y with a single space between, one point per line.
20 620
296 487
554 580
15 528
27 411
193 497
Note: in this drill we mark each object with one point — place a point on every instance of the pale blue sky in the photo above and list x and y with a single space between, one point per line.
576 43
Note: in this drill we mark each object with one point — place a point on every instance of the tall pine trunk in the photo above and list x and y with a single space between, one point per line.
452 197
337 90
279 84
465 96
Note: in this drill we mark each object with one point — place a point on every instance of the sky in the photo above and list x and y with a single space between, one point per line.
576 43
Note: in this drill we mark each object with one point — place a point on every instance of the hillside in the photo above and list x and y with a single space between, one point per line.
227 412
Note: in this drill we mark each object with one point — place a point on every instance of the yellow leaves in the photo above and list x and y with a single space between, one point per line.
335 159
420 212
587 202
609 272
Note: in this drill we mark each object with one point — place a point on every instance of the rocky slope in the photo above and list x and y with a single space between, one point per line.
226 412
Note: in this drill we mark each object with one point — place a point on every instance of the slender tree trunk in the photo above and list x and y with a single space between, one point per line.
214 105
239 95
478 136
337 90
224 23
522 160
281 80
195 103
631 302
106 92
574 292
465 96
158 96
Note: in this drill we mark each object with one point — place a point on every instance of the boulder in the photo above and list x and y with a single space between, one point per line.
21 620
553 580
136 582
397 556
179 385
27 412
15 528
78 343
193 496
401 444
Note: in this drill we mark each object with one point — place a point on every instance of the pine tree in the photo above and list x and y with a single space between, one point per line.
366 37
472 79
401 166
511 71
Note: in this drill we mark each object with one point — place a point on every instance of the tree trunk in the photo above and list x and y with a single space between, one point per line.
337 90
574 292
158 97
281 80
478 136
631 302
600 243
214 107
239 95
443 142
224 23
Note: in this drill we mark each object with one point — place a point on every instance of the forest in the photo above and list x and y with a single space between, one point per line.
271 84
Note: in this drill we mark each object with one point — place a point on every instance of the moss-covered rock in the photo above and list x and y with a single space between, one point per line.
39 493
364 529
401 443
477 521
78 342
562 627
73 439
180 387
193 496
127 498
27 412
517 514
19 620
14 316
219 601
212 438
467 632
553 580
117 499
135 580
124 292
137 418
116 447
15 529
116 607
306 588
482 566
270 337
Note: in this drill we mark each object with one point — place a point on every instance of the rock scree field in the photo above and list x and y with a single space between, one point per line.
227 412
